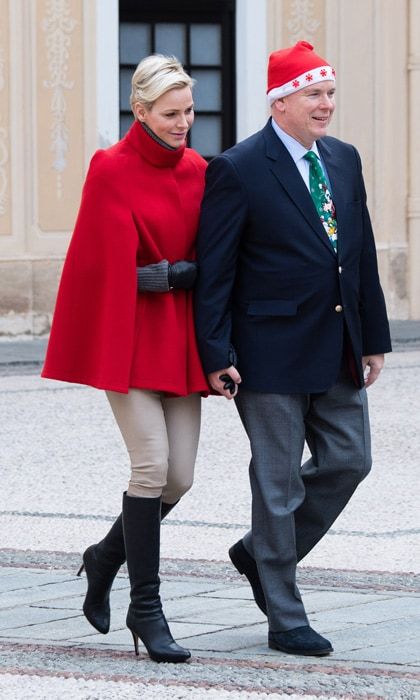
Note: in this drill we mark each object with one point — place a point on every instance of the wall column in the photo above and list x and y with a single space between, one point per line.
413 209
50 114
251 67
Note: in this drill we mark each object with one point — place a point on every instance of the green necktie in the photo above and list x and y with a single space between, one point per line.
322 197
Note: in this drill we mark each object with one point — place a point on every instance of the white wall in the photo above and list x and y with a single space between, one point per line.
251 66
107 72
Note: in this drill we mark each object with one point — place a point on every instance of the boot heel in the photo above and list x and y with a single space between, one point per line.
136 642
80 570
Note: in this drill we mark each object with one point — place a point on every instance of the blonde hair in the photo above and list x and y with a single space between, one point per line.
155 75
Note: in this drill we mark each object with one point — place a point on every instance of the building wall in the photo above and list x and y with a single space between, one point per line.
42 108
59 101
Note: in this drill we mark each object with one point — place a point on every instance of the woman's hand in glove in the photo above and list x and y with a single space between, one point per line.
182 274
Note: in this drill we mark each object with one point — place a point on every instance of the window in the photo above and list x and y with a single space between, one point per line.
201 36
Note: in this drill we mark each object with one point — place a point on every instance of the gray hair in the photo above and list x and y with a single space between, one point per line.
155 75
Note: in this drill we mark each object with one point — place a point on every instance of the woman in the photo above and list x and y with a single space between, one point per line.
137 226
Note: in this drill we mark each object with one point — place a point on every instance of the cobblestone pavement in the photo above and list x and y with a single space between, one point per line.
63 468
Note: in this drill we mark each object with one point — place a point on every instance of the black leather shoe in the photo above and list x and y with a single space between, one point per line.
246 565
303 641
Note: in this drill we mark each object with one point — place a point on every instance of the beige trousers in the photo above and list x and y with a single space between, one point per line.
161 435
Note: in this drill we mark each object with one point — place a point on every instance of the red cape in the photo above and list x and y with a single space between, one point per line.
140 204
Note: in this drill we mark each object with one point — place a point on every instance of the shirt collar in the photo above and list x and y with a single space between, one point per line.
296 150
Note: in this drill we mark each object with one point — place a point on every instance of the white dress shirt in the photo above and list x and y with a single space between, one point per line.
297 151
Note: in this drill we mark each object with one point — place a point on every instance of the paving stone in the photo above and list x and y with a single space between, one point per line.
16 580
211 610
123 637
114 639
56 630
316 601
41 593
373 611
169 590
22 616
229 640
328 628
187 587
240 592
402 652
361 636
66 603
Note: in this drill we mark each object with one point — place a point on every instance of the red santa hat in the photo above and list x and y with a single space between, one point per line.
294 68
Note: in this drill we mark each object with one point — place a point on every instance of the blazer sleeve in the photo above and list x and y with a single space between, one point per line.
223 215
92 335
376 337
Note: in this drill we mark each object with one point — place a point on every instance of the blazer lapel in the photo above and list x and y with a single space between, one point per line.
286 172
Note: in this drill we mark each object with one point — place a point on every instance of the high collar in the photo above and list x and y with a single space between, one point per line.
151 150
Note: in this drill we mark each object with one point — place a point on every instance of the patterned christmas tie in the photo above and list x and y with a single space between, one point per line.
322 197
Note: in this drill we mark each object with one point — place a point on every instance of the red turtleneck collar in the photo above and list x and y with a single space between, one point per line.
153 152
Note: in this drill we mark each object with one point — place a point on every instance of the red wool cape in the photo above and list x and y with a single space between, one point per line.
140 204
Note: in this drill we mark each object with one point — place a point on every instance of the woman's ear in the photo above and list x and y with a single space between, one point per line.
140 112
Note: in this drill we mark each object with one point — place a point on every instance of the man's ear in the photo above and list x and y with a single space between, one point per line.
278 105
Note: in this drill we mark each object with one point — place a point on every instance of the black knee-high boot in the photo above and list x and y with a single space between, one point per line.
102 562
145 618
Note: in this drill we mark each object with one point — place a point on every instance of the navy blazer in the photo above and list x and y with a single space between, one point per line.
270 283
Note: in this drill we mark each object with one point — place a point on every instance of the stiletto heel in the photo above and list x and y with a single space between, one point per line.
80 570
136 642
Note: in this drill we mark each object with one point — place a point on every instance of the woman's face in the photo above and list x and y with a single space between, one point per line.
170 117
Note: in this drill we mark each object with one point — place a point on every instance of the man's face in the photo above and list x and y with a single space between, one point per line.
305 115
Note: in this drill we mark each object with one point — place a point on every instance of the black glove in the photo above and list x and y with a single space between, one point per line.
182 274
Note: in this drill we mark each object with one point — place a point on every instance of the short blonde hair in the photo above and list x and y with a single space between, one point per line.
155 75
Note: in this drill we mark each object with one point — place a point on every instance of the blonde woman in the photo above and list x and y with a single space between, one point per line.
123 323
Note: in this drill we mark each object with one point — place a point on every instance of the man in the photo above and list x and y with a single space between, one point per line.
289 307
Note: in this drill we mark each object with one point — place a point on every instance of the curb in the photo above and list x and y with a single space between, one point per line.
27 355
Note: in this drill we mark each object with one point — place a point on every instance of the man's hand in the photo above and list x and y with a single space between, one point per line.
372 365
218 384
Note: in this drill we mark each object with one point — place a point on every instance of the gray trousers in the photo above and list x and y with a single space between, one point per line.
293 505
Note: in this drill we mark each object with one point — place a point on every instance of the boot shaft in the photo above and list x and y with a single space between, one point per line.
141 525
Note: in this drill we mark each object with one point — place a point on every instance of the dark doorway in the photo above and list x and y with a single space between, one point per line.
201 34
